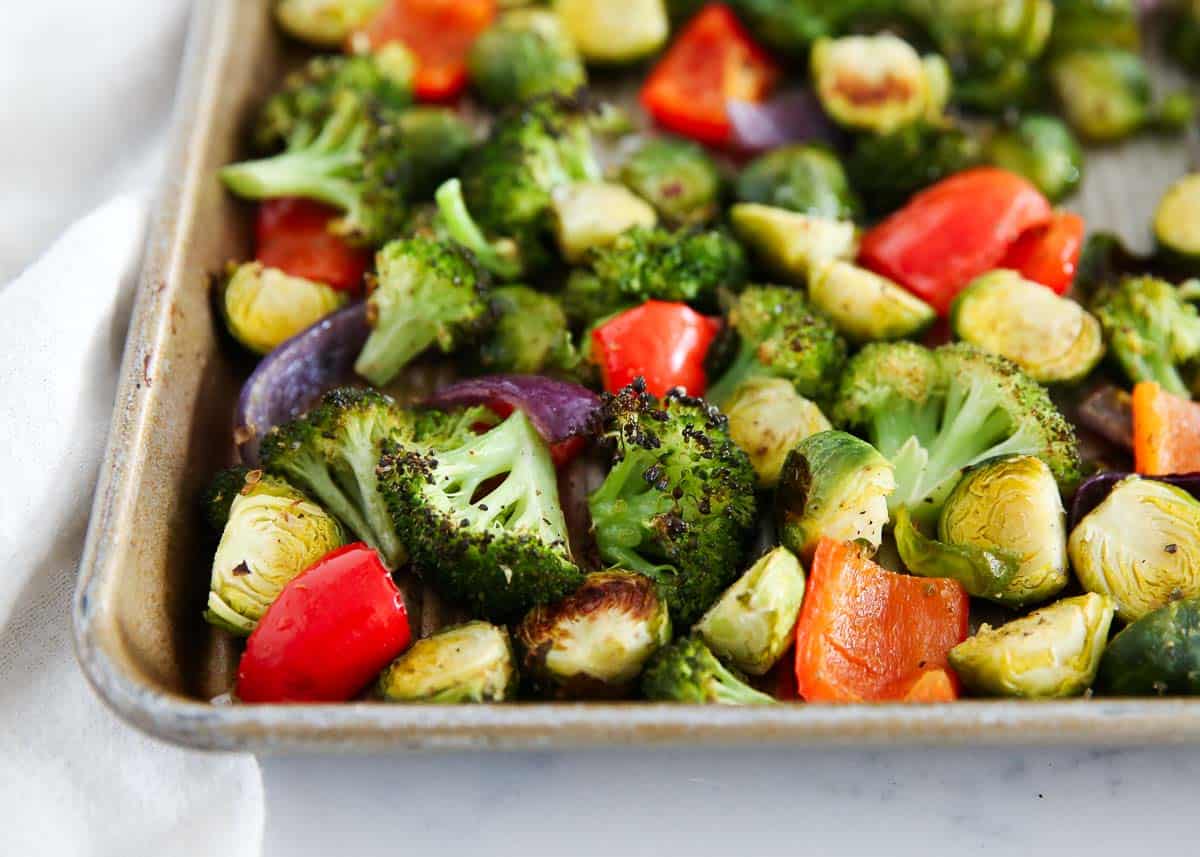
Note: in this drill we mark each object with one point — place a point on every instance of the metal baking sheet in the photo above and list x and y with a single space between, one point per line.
144 573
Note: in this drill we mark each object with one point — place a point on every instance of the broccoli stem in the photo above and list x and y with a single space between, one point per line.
619 508
362 484
500 258
392 346
744 366
729 689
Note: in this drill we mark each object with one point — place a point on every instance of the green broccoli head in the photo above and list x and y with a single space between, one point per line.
426 293
678 505
889 168
480 516
935 413
530 335
435 140
525 54
332 453
688 671
780 335
1150 329
296 113
219 494
677 177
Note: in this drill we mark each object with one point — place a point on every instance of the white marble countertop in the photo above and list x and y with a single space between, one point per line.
735 802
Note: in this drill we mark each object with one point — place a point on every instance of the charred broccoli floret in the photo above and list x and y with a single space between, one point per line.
780 335
889 168
426 293
933 413
688 671
678 504
1150 329
530 335
481 517
677 177
332 452
219 494
525 54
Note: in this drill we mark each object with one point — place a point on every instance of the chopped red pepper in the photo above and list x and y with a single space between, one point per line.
868 634
293 235
328 633
663 342
1166 432
439 33
952 232
712 62
1049 254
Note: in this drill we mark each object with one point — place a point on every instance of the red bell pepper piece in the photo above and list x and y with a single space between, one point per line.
712 62
868 634
663 342
1166 432
438 32
328 634
293 235
952 232
1049 254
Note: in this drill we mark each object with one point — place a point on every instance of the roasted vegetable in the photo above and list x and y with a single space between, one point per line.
833 485
324 23
659 345
983 573
526 53
589 215
751 625
220 494
677 177
1053 339
530 334
1053 652
465 663
594 642
272 534
889 168
866 307
615 31
872 83
263 306
1156 655
791 245
1177 225
1094 23
805 177
1165 433
1043 149
687 671
1140 546
767 417
678 505
1150 329
779 335
1183 34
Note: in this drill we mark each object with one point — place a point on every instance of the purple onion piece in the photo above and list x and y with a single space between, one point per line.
790 117
557 409
292 377
1093 491
1108 412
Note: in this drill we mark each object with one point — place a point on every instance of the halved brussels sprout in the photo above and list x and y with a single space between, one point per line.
324 23
767 417
1095 23
595 641
1177 224
593 214
524 54
1053 652
1141 545
751 624
789 243
1012 505
472 662
866 307
264 307
1043 149
677 177
1054 339
615 31
940 80
833 485
1158 654
274 532
873 83
806 177
983 573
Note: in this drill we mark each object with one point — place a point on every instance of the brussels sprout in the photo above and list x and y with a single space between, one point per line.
687 671
274 532
593 214
1183 34
1157 654
1141 545
678 178
530 334
834 485
940 80
889 168
595 641
1013 84
1012 505
263 307
866 307
982 573
1094 24
1043 149
324 23
806 177
873 83
1053 652
1052 338
463 663
615 31
792 244
751 625
974 32
526 53
767 417
1177 225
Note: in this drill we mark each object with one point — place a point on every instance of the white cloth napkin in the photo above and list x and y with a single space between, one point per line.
85 89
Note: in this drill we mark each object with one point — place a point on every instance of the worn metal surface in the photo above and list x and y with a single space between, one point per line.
144 573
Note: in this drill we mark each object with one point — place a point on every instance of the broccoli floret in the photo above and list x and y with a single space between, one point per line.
436 139
426 292
678 505
688 671
295 114
780 335
677 177
889 168
218 497
525 54
1150 328
481 517
501 257
935 413
332 453
530 336
658 264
